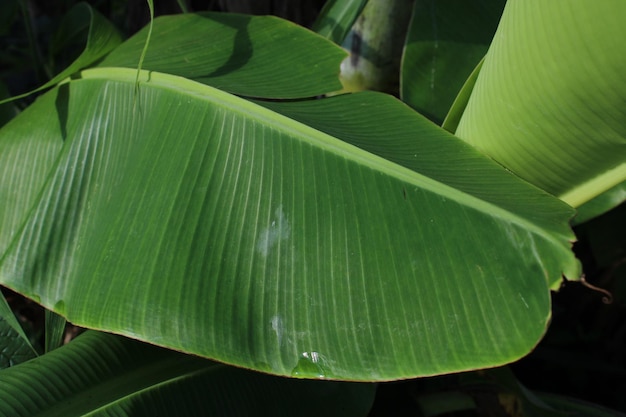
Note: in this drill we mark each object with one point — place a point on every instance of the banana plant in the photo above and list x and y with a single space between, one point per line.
217 203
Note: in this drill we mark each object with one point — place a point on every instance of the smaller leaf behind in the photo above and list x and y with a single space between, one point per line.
444 44
255 56
100 374
548 103
55 326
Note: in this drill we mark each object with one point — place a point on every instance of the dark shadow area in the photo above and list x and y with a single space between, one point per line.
583 354
479 23
62 106
242 48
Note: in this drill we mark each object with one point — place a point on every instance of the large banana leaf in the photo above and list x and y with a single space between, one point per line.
196 220
99 374
602 203
549 102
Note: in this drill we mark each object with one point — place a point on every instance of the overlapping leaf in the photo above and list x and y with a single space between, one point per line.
549 102
100 374
257 56
192 219
445 42
601 204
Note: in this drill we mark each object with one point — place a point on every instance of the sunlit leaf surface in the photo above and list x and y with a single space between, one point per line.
549 102
196 220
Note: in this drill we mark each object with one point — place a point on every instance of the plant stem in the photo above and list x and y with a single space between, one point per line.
375 44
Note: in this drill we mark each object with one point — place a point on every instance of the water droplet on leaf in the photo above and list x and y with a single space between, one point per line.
311 365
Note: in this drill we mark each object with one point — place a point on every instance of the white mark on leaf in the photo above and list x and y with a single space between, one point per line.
278 230
523 300
277 326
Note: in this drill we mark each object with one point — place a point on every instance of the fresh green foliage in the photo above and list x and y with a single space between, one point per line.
243 55
100 374
216 202
226 188
600 204
554 87
55 326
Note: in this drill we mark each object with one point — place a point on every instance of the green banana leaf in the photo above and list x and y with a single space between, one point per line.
601 204
256 56
100 374
549 102
445 42
55 329
451 122
193 219
412 141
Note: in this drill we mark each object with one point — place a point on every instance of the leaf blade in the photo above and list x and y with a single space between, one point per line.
237 244
559 110
102 374
247 55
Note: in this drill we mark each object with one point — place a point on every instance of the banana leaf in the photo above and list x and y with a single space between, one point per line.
256 56
445 42
189 218
549 102
100 374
